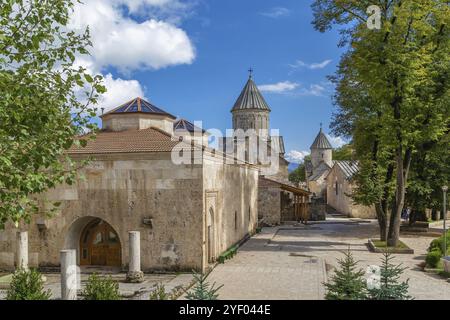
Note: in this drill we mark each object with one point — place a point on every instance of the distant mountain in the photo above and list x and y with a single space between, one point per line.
292 166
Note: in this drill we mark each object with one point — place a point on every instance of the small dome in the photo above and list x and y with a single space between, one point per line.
251 98
321 141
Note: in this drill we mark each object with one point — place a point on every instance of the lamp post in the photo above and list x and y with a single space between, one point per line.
444 191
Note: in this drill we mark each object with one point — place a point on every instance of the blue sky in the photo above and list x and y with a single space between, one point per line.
218 40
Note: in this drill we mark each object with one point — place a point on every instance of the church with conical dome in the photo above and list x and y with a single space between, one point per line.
279 200
330 181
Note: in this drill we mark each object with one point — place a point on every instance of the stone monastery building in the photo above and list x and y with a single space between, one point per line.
187 214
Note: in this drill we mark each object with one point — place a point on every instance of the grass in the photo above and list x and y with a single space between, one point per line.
444 274
382 244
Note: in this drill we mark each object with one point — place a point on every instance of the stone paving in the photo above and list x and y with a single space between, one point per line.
289 262
262 270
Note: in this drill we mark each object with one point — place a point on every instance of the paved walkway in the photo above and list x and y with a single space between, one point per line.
288 262
263 270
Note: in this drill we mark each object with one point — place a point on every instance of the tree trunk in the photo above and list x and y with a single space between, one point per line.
434 214
382 221
403 165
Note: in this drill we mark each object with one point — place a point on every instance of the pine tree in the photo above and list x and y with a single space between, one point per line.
348 282
390 287
202 289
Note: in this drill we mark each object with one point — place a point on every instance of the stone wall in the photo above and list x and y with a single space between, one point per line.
123 190
269 202
340 200
232 192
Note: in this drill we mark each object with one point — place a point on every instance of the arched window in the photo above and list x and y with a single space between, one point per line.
337 188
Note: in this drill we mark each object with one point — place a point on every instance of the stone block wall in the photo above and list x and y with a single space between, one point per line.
269 202
123 191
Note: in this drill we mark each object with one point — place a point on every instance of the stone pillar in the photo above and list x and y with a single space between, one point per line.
135 275
69 268
22 250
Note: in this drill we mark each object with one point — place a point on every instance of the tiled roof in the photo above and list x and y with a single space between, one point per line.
184 125
139 105
349 168
251 98
132 141
321 141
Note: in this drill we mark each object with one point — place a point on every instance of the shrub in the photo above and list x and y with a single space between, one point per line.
159 293
433 258
101 288
438 244
27 285
347 283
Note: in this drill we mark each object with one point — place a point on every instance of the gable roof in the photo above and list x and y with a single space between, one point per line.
321 141
251 98
348 168
139 105
319 171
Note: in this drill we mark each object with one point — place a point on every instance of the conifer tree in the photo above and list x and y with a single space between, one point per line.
202 289
390 287
348 282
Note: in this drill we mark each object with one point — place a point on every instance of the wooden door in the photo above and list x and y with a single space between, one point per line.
100 245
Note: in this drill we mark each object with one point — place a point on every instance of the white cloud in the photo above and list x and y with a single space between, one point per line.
312 66
276 12
336 142
127 45
295 156
280 87
121 42
316 90
119 92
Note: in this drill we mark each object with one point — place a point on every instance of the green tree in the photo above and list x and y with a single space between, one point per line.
390 286
348 282
299 174
46 101
202 290
343 153
402 71
101 288
27 285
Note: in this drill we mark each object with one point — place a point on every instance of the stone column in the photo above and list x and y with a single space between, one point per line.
22 250
69 268
135 275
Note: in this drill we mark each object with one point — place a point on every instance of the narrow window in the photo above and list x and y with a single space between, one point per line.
235 220
337 188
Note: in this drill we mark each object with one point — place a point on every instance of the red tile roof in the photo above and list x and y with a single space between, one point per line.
131 141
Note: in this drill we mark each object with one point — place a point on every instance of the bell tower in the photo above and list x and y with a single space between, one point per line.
251 111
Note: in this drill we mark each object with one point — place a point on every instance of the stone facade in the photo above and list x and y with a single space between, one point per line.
269 202
124 190
339 187
252 119
186 214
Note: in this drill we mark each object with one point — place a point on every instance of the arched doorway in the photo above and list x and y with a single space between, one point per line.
99 245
